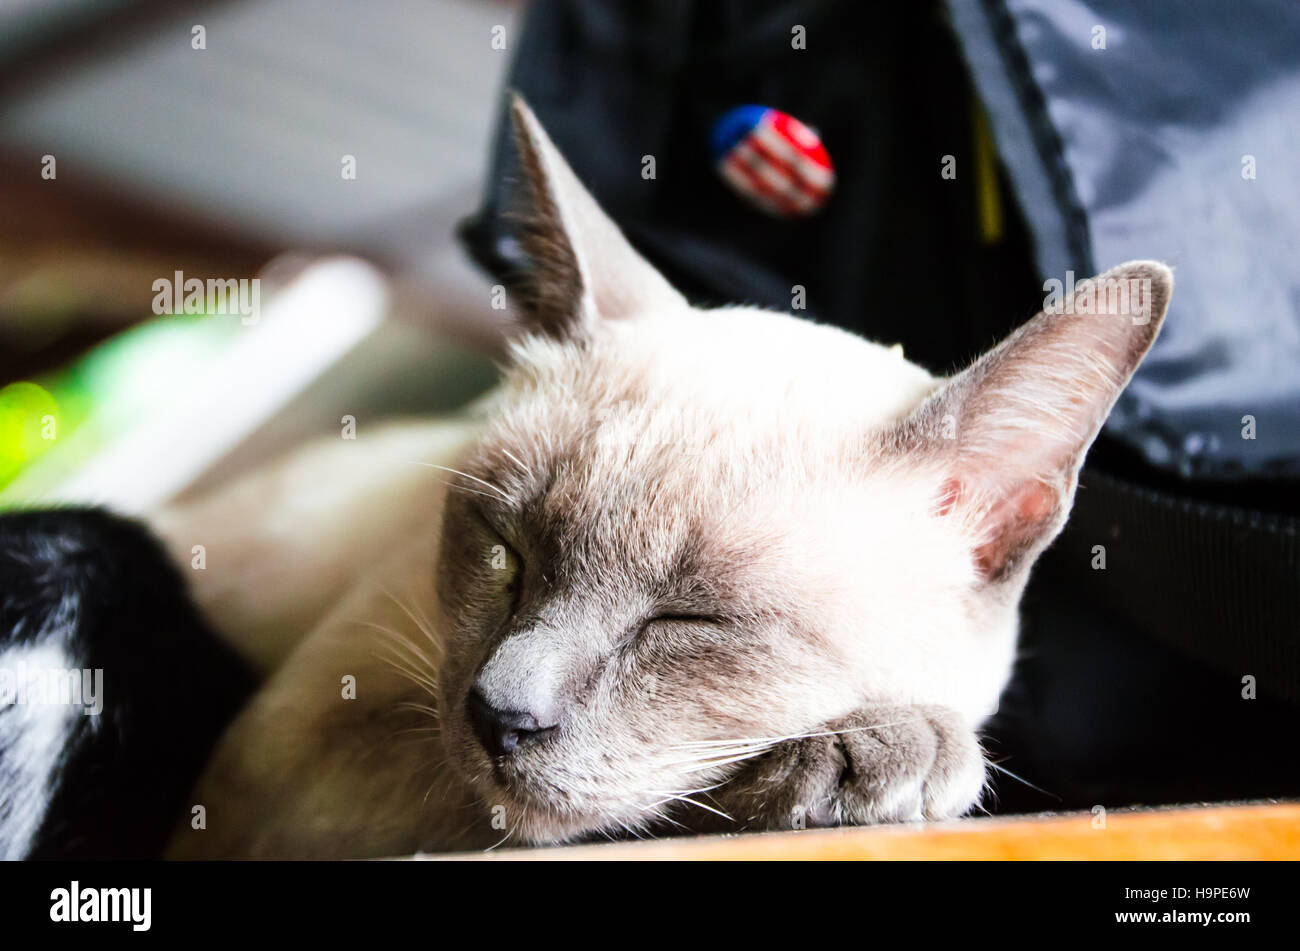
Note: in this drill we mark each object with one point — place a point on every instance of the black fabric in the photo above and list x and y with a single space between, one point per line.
1131 685
1215 582
101 591
1101 712
1171 674
883 85
1166 129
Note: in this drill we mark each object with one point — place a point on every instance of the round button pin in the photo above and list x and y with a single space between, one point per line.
772 160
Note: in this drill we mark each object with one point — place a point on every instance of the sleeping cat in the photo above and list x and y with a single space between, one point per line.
684 570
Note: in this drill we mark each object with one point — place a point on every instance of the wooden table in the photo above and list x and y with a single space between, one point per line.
1252 831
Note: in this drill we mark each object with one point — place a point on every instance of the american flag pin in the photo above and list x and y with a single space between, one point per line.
772 160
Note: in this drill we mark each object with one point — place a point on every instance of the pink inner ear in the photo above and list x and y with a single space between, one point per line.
1013 525
1035 502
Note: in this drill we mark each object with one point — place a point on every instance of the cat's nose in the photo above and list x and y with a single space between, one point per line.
503 731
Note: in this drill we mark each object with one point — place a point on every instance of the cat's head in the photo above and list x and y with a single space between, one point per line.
689 527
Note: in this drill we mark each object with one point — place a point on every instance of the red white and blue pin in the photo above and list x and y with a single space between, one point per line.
773 161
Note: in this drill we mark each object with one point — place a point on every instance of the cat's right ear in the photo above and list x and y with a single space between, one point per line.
1012 430
582 267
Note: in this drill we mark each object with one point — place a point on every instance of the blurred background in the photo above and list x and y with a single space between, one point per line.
227 161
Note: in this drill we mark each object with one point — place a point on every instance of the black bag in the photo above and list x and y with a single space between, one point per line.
1068 158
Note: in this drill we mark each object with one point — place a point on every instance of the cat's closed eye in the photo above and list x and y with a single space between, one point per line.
501 566
671 618
676 624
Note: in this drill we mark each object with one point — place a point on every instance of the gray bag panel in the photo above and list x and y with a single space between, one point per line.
1140 150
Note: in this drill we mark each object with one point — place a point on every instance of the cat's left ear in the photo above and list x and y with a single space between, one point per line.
583 268
1010 433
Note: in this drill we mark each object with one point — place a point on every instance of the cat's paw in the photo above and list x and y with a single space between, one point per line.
881 764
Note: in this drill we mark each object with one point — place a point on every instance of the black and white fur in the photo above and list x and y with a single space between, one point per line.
81 589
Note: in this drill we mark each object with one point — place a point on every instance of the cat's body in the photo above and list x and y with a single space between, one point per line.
113 689
702 569
305 772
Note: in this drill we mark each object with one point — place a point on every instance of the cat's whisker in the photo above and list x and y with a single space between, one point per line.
1004 770
420 622
413 660
714 754
502 840
702 789
405 650
419 707
440 773
670 796
630 830
684 797
634 827
417 681
717 756
415 735
515 460
398 637
501 493
409 673
661 816
717 763
465 488
774 740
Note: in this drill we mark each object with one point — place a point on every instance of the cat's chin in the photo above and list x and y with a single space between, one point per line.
529 805
536 827
536 820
